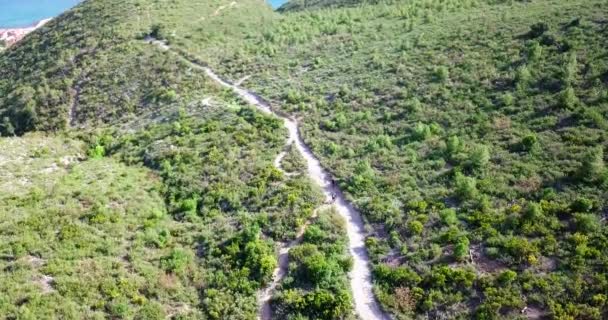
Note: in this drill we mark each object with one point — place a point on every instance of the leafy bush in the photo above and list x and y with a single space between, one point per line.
176 261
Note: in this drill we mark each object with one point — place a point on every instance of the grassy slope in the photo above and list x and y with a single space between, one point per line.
73 233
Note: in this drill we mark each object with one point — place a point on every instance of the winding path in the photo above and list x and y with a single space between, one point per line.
366 305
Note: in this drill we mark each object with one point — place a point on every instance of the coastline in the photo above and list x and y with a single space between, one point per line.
10 36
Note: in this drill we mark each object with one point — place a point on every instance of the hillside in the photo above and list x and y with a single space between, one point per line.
471 135
308 5
77 72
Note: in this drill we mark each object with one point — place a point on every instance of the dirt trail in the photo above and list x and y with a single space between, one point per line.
366 305
232 4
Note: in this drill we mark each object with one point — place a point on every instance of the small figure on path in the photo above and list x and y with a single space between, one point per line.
333 197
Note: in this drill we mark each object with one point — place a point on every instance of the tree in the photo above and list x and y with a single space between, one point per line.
538 29
176 261
448 216
23 109
592 169
7 128
568 98
461 249
480 156
466 187
523 77
453 146
442 74
415 227
570 69
528 142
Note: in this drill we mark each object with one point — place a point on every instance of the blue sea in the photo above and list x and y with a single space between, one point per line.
274 3
22 13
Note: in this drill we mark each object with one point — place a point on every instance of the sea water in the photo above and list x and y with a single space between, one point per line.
274 3
23 13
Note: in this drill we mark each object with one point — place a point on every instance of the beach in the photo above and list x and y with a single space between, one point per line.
11 36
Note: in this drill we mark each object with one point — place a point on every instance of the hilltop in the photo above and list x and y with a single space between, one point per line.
471 135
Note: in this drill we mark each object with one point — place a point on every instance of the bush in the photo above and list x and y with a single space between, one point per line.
415 227
6 128
587 222
442 74
158 31
581 205
480 156
97 152
151 311
448 217
535 51
176 261
528 142
538 29
422 131
592 169
507 277
466 187
568 98
523 77
461 249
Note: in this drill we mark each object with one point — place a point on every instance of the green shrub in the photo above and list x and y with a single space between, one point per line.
151 311
507 277
422 131
176 261
442 74
528 142
97 152
592 167
158 31
480 156
415 227
461 249
453 146
568 98
582 205
587 222
466 187
538 29
448 217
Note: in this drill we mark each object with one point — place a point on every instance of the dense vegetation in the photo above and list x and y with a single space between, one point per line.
472 134
316 285
78 72
97 237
